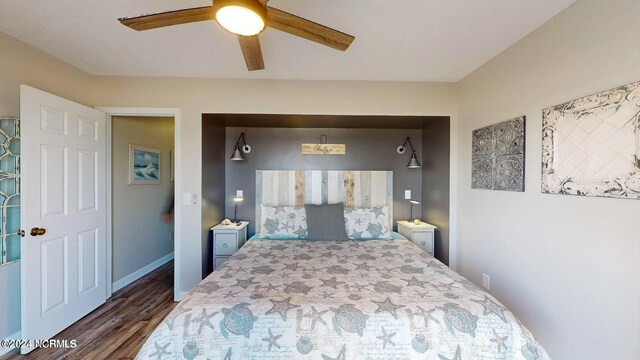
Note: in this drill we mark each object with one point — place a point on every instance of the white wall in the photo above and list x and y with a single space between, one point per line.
198 96
22 64
567 266
139 235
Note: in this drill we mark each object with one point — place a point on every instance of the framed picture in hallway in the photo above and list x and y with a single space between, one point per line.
144 165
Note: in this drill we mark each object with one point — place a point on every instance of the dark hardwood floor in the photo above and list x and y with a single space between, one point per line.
119 328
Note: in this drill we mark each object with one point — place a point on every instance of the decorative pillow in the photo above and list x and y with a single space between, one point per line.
326 222
362 223
283 222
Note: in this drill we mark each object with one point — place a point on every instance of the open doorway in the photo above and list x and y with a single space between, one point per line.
142 196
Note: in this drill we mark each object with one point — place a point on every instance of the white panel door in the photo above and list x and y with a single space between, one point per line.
63 266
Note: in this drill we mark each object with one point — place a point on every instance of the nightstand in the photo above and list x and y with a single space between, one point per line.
227 239
422 235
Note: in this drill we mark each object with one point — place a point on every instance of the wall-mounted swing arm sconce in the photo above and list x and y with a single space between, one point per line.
246 148
413 161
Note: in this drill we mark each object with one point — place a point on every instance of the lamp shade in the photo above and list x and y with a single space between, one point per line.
237 154
413 162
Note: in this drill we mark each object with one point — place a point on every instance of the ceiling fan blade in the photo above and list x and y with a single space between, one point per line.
169 18
309 30
252 52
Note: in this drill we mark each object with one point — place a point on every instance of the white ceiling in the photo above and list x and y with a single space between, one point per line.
397 40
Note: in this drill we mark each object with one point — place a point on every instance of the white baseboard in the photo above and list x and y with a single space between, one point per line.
10 337
117 285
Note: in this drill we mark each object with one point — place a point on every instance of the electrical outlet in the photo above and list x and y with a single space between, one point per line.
407 194
486 281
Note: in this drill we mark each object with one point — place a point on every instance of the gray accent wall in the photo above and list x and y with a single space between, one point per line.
213 186
279 149
435 182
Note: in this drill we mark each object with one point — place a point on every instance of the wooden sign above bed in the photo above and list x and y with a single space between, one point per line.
298 187
324 149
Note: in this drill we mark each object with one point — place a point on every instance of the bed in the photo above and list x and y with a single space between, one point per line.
377 299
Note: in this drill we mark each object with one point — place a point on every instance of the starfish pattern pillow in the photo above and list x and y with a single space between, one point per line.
367 224
283 222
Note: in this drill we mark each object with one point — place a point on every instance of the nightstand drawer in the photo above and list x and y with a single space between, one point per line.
226 243
219 260
424 240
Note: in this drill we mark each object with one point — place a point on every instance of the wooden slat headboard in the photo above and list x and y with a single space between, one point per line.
298 187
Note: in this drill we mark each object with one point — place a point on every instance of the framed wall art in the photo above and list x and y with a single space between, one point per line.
144 165
591 145
498 154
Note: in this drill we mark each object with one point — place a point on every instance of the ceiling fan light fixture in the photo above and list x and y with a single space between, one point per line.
241 17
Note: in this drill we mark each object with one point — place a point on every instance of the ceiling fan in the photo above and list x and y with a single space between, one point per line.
247 19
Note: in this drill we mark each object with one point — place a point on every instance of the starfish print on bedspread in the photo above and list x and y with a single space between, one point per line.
316 316
281 307
499 341
291 266
230 294
358 288
204 320
416 282
326 295
364 266
386 338
160 350
387 306
271 287
332 283
378 211
272 340
490 307
245 283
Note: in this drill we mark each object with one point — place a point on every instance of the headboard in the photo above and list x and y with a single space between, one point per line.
299 187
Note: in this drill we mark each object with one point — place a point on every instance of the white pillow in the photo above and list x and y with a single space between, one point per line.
283 222
363 223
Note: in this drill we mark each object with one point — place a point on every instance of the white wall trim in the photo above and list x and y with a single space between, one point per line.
117 285
14 336
177 211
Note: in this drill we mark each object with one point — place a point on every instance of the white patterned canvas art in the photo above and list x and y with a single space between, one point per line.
591 146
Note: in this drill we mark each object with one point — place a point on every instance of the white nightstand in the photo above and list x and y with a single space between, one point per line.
227 239
422 235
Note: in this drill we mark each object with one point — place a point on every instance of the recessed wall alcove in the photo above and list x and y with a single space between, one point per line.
370 141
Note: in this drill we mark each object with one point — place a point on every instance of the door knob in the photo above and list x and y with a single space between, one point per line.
37 231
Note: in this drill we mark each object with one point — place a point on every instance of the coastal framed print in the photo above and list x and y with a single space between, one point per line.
144 165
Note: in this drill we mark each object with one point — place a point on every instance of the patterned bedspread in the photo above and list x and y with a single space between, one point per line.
339 300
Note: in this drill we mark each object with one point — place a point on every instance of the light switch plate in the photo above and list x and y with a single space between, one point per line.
407 194
240 193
